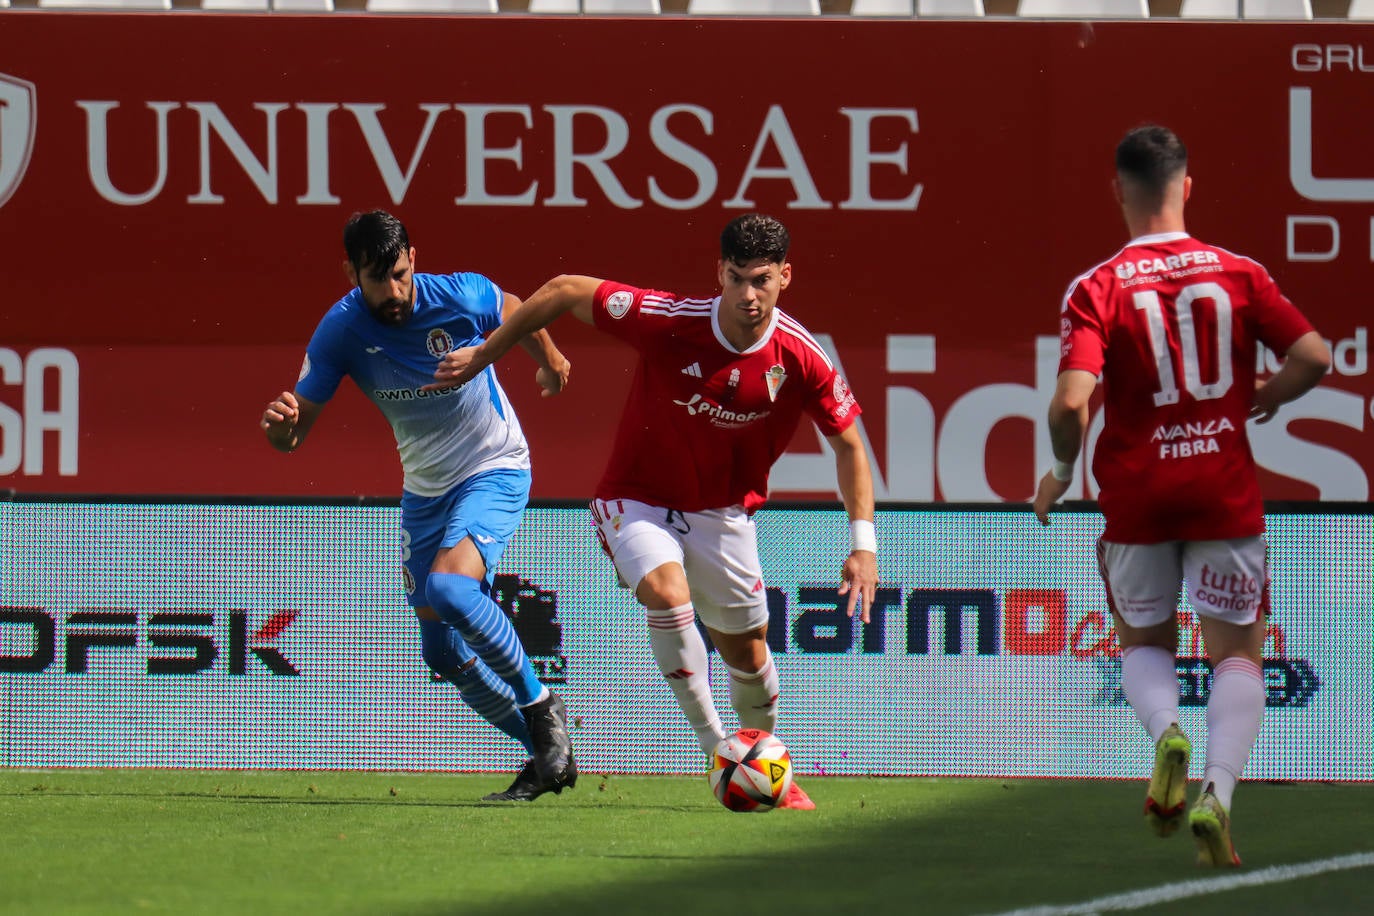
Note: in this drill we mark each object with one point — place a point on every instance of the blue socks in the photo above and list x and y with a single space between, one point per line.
449 657
460 601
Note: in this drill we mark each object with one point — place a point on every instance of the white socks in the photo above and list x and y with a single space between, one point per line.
754 695
1234 710
680 653
1150 682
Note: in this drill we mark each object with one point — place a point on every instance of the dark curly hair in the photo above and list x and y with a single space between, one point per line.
752 236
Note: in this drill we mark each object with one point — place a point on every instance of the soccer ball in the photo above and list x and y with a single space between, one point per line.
750 771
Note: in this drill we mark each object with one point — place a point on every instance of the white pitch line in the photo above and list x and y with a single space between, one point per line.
1165 893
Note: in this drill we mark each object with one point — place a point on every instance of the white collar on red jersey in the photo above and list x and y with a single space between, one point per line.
1157 238
720 335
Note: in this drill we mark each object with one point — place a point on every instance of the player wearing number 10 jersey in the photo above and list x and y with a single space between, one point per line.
1171 324
1180 319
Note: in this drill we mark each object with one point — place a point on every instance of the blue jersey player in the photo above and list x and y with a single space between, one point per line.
466 466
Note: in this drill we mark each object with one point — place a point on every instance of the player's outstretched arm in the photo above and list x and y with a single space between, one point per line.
566 293
287 421
855 479
1068 420
554 368
1304 365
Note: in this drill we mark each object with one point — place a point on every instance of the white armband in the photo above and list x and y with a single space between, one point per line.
1062 470
862 535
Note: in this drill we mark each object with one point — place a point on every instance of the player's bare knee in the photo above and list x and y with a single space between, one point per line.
746 652
663 587
462 559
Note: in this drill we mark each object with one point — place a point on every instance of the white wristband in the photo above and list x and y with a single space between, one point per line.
862 536
1062 470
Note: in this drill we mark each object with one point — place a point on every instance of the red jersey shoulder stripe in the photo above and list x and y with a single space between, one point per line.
675 308
793 327
1074 283
1263 271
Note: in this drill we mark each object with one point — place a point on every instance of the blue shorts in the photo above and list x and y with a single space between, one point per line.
486 507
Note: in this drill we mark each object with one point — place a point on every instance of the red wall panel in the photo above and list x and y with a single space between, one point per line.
173 190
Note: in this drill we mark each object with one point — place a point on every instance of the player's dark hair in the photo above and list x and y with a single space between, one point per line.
373 242
1151 156
754 235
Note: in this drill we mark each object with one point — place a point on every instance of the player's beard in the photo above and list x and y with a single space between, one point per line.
392 311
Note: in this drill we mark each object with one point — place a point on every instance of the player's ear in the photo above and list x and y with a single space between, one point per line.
412 258
1187 187
351 272
784 275
1117 192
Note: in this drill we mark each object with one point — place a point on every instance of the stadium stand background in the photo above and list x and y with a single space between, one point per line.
1157 9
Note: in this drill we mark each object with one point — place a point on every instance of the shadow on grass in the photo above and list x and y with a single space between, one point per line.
931 855
1002 846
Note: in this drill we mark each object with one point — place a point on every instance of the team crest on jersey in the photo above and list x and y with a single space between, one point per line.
305 367
1125 270
438 343
409 581
775 376
618 303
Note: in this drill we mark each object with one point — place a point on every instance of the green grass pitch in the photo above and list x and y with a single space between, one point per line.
241 842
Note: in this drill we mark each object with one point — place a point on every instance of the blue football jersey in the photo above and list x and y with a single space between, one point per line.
443 437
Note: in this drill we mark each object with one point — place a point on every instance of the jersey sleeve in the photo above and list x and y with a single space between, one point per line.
324 366
830 403
1082 334
615 310
836 409
1278 323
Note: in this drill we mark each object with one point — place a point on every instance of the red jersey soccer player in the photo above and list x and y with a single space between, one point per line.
719 390
1171 324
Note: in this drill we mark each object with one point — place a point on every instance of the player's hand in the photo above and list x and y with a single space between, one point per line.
278 421
1261 411
554 379
860 583
1050 491
455 369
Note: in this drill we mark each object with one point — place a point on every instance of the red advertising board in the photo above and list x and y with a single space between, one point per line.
173 187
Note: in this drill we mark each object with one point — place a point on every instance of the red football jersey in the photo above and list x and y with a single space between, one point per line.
1171 323
703 423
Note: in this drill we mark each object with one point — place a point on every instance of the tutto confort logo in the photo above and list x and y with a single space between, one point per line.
18 118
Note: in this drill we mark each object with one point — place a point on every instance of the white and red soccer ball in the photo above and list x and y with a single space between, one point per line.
750 771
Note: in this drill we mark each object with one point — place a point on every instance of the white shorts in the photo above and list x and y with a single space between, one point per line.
1226 580
716 548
